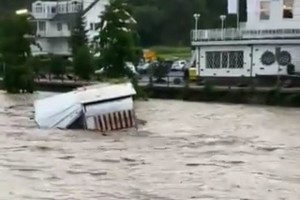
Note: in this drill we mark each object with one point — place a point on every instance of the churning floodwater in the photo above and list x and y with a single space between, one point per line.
184 151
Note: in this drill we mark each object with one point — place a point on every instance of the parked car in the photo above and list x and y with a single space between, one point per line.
128 64
179 65
142 68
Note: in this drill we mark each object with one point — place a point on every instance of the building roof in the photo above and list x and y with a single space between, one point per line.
90 6
64 17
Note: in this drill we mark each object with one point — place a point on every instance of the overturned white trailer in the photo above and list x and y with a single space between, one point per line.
101 107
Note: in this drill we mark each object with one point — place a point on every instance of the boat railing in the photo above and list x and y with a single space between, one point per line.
240 34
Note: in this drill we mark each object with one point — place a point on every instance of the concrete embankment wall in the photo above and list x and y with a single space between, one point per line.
263 96
271 96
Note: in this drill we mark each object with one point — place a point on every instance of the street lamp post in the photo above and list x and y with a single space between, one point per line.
196 17
222 18
196 35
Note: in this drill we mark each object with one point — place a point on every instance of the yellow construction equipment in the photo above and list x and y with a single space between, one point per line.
192 74
149 55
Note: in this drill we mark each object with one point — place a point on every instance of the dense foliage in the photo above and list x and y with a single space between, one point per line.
83 60
169 22
78 36
15 53
117 40
164 22
83 63
57 66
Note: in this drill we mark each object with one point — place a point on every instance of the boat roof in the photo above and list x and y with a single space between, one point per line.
63 109
104 92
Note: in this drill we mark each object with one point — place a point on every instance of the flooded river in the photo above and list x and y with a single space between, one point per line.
185 151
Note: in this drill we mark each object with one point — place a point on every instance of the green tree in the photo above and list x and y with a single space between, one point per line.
78 36
35 64
15 52
83 63
164 22
158 70
169 22
57 66
117 40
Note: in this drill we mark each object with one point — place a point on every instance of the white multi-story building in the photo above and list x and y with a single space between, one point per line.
262 47
54 20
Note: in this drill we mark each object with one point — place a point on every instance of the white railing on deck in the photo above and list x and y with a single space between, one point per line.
239 34
64 33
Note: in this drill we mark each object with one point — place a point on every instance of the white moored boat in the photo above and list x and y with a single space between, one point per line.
102 107
264 48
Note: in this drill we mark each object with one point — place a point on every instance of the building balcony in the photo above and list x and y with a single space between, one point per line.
50 10
243 34
53 34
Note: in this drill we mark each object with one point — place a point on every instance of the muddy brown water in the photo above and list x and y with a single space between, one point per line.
185 151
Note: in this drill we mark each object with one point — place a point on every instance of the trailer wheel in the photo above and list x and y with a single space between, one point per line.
177 81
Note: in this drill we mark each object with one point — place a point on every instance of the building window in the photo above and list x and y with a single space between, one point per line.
97 26
288 7
76 6
38 8
62 8
264 10
59 26
69 26
91 26
53 10
225 59
41 26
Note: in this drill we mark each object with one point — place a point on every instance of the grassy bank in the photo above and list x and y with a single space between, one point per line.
168 52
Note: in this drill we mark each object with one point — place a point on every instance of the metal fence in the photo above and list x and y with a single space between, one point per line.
236 34
173 79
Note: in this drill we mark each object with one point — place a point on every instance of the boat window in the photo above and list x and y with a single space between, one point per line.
288 6
217 60
213 60
239 56
232 60
264 10
225 59
210 59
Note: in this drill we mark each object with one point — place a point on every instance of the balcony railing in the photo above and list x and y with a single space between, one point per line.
53 33
243 34
49 11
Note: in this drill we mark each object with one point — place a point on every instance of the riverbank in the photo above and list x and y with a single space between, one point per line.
193 92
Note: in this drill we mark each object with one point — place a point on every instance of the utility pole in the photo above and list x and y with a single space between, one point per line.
196 35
